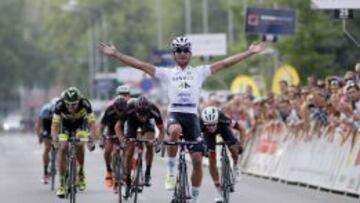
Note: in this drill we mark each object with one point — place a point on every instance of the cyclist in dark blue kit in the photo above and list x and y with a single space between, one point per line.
43 131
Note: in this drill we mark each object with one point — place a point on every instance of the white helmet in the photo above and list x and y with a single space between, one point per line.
210 115
181 42
123 89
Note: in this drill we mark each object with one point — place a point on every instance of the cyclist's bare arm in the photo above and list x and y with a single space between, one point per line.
161 132
93 130
242 132
38 127
101 129
111 50
118 131
237 58
55 126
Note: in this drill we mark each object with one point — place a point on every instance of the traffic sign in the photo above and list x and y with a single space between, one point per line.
270 21
335 4
208 44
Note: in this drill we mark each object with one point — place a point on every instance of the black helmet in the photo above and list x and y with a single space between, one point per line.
71 95
120 103
142 105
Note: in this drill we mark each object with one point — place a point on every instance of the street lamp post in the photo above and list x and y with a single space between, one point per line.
95 60
187 16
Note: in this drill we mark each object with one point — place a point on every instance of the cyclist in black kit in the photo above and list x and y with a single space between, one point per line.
140 114
72 116
107 128
214 122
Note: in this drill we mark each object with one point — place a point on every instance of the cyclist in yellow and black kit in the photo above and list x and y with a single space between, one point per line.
72 116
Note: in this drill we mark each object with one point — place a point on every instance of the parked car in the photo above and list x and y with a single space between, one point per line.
13 122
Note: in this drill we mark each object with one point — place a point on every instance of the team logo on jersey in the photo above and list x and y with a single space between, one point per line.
184 85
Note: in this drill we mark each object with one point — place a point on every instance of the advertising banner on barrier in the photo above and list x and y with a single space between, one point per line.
319 159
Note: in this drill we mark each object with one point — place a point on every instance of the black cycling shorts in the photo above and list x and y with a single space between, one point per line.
72 127
109 130
131 128
190 125
226 134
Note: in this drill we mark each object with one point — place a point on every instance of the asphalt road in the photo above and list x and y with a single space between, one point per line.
21 171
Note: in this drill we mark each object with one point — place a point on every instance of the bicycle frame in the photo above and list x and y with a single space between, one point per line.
138 180
71 182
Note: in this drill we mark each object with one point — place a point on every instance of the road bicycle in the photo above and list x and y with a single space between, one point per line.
227 176
182 190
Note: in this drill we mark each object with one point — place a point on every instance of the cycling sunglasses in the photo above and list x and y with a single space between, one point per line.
182 49
211 125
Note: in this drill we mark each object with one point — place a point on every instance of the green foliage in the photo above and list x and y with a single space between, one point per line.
47 45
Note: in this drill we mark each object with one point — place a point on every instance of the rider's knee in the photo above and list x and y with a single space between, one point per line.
197 158
174 130
63 147
149 145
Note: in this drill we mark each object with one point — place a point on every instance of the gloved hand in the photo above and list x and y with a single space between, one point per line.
157 146
91 145
102 142
40 139
55 143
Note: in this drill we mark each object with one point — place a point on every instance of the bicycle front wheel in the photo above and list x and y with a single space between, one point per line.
225 180
183 192
52 168
138 174
72 184
119 176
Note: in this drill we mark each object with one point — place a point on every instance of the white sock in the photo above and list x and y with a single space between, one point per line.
218 189
195 192
171 166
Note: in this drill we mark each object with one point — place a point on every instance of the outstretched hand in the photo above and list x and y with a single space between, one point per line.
258 47
107 48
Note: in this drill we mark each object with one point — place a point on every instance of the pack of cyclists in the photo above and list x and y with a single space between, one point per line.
126 118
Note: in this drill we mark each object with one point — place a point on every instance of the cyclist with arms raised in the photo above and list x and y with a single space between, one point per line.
214 122
184 84
72 114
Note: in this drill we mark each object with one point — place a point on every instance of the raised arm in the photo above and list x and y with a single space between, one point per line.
237 58
111 50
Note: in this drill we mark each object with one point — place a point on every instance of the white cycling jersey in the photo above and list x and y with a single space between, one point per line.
183 86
